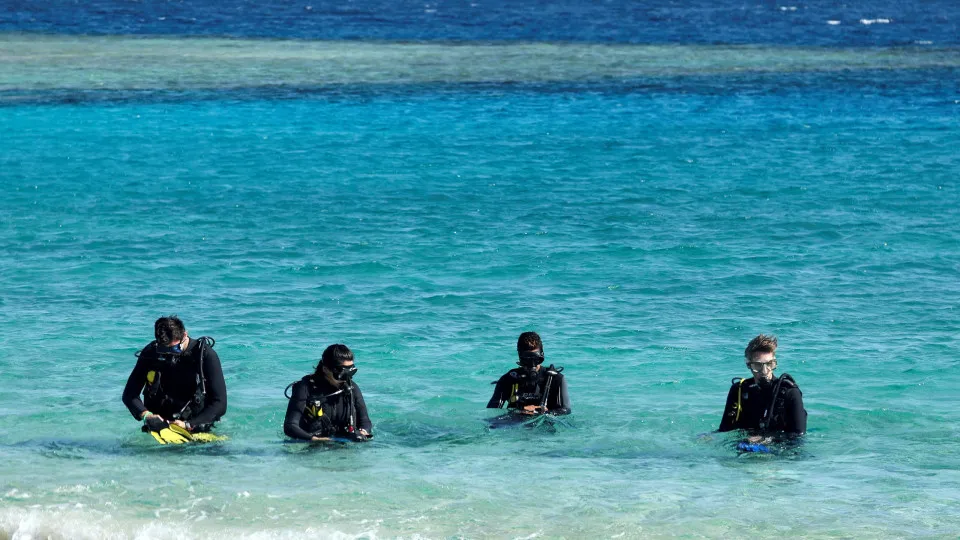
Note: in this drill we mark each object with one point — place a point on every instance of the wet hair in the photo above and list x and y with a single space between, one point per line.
335 355
529 341
760 345
168 330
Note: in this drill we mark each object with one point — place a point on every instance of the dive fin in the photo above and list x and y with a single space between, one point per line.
168 436
180 434
207 437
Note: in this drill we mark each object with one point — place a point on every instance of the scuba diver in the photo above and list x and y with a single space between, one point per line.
532 389
181 381
766 405
328 404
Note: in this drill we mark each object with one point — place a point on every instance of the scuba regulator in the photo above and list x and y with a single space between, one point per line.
530 361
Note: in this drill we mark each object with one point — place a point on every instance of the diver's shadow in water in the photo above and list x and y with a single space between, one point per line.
543 423
397 434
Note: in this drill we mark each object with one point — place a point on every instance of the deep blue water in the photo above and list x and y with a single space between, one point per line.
674 21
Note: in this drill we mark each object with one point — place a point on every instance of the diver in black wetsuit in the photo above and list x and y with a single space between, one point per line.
328 404
532 389
181 379
765 404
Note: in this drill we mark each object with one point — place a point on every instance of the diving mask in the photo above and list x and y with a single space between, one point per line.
530 359
343 373
170 354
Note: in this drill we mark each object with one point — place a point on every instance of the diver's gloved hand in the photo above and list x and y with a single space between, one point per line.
359 436
154 423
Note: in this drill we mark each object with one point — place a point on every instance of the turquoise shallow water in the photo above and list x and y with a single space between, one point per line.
647 222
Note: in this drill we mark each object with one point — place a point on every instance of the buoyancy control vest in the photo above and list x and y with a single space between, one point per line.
527 388
155 397
318 410
773 418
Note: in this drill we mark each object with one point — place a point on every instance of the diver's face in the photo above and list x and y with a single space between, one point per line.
341 373
175 346
762 366
531 359
182 342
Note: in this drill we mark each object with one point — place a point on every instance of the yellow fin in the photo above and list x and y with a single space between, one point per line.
208 437
183 433
158 437
170 436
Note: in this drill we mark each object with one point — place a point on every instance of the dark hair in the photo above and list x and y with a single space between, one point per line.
168 330
529 341
335 355
760 344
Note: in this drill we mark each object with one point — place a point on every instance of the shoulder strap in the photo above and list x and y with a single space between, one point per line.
788 381
352 428
738 407
203 342
785 384
546 387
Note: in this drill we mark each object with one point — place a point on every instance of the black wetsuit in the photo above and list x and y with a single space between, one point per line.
317 409
787 414
518 389
174 392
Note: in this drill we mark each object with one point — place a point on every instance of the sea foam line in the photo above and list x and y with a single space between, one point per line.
74 524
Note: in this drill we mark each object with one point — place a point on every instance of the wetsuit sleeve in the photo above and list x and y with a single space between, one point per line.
794 415
728 421
500 394
215 402
560 404
134 386
298 402
363 420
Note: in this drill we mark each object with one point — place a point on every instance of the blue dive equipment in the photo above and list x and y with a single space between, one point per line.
756 448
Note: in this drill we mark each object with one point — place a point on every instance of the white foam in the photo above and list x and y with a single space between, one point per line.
82 524
874 21
788 8
79 488
833 23
16 493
